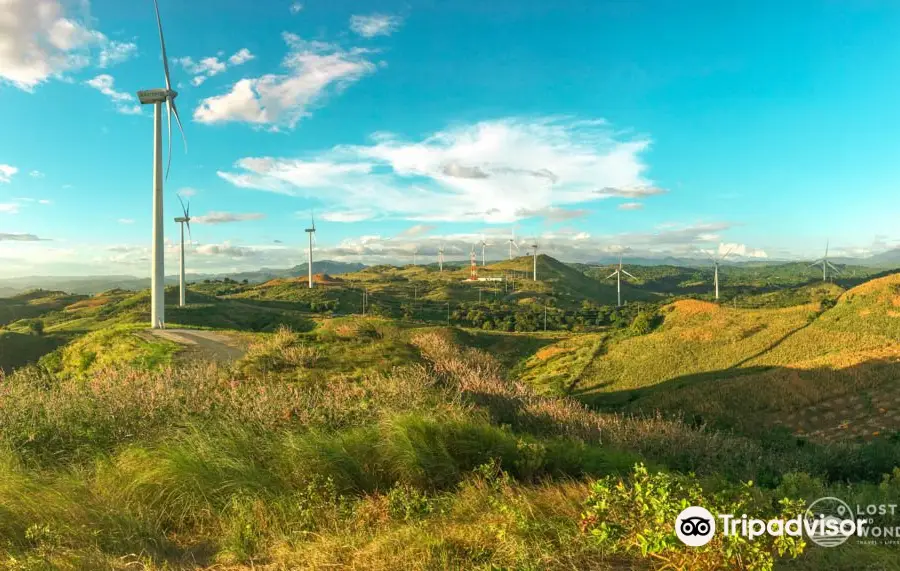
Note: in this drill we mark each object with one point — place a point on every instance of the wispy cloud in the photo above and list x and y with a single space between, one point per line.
41 42
631 206
348 216
207 67
495 171
126 221
6 173
9 207
417 230
226 217
281 100
125 103
36 174
20 238
296 7
374 24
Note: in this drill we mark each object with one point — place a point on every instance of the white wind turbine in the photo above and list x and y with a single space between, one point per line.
182 220
716 261
825 264
415 254
512 243
441 258
311 232
618 273
534 246
483 246
157 97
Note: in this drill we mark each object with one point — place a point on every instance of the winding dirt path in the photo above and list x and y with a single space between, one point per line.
200 344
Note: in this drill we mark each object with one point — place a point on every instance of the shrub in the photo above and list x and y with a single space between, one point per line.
636 516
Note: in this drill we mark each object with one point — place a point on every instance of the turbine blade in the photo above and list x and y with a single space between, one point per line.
183 209
190 235
612 274
180 126
162 43
169 162
833 267
627 274
728 251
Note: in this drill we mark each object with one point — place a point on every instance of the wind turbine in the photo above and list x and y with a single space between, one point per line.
441 258
311 231
512 243
618 273
157 97
716 261
415 254
182 220
534 247
825 264
483 246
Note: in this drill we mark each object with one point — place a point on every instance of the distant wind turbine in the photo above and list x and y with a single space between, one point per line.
534 246
512 243
618 274
483 246
182 220
441 258
157 97
825 264
311 231
716 261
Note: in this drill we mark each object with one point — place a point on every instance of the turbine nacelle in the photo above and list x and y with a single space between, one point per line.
151 96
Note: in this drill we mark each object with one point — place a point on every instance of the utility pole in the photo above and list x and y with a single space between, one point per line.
365 299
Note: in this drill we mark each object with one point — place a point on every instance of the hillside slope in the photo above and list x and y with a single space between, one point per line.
828 372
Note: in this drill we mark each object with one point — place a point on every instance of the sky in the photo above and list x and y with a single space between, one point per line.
764 129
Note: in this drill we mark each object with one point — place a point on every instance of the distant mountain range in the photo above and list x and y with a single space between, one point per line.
96 284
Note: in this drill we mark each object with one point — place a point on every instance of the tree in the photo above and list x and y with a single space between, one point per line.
36 327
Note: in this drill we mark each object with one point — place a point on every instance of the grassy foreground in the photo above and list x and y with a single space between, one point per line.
289 460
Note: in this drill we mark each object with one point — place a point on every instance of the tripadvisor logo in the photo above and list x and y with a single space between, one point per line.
827 522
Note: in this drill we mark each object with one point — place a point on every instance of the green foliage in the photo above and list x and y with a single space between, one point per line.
636 515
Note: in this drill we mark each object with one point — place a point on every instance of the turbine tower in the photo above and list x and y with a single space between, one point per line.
311 232
716 261
512 243
618 273
534 247
441 258
182 220
158 97
415 255
825 264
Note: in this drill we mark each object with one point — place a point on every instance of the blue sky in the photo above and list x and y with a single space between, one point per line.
765 127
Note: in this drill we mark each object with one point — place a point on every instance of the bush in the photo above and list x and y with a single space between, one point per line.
636 516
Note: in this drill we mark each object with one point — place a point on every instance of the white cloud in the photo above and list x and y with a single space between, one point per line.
225 217
210 66
38 42
9 207
36 174
125 103
45 201
187 192
296 7
631 206
126 221
348 216
374 25
224 249
116 52
281 100
241 57
736 250
6 173
496 171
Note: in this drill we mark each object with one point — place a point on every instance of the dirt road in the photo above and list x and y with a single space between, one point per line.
199 344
